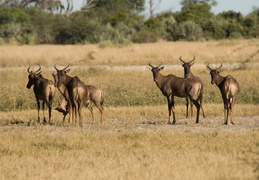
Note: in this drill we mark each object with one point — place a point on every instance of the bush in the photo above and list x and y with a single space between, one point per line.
213 28
235 35
187 30
77 29
145 36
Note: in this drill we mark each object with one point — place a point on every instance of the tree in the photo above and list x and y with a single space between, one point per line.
117 6
50 5
187 3
197 13
153 7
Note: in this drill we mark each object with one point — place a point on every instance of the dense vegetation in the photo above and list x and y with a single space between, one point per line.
122 22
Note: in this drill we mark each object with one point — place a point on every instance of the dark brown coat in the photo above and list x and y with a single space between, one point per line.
229 89
172 85
44 90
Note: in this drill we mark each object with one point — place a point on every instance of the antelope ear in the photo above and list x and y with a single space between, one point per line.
38 73
220 70
161 68
66 71
207 71
192 63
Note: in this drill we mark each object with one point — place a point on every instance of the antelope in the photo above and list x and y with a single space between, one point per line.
94 95
188 74
44 90
172 85
76 93
229 89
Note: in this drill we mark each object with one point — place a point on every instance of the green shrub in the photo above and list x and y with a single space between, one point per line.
145 36
187 30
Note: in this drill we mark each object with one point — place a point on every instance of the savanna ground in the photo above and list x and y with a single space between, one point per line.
134 142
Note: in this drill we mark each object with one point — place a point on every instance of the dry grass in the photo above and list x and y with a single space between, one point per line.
135 142
137 54
129 150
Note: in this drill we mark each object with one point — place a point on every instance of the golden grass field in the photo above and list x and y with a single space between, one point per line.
134 142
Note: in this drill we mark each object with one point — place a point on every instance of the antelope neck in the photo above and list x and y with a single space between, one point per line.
68 79
159 79
218 80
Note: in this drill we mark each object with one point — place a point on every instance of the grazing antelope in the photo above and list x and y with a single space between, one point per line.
44 90
94 95
188 74
76 93
172 85
229 89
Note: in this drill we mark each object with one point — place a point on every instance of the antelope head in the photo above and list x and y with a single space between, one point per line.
214 72
187 65
156 69
33 76
61 74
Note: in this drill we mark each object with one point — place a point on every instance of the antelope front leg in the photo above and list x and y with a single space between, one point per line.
38 105
196 103
187 106
43 109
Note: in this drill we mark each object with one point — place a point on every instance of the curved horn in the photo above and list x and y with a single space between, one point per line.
180 58
160 64
56 67
38 69
65 68
28 70
150 65
208 66
192 60
219 67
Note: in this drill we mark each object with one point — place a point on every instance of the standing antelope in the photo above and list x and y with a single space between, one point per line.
76 93
94 95
44 90
188 74
172 85
229 89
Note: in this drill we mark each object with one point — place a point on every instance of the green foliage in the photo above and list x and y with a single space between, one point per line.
76 30
120 22
145 36
213 28
196 13
12 15
187 30
188 3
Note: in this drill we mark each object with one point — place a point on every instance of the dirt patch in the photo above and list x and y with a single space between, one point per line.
212 124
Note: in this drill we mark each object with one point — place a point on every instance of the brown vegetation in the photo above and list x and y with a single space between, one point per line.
134 142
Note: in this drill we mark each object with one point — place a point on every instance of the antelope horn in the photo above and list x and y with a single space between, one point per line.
29 69
65 68
219 67
38 69
208 66
180 58
160 64
192 60
56 67
150 65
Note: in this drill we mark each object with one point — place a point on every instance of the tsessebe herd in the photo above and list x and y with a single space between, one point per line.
76 94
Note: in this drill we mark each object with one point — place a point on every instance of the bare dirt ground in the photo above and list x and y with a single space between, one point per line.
211 124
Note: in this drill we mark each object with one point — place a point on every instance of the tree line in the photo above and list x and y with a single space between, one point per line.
119 22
